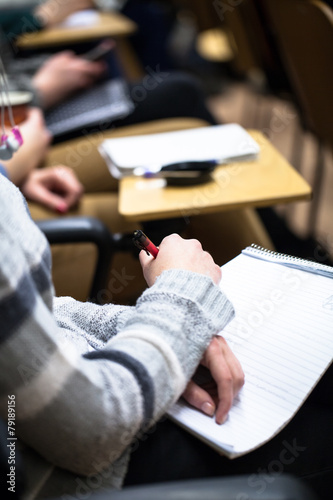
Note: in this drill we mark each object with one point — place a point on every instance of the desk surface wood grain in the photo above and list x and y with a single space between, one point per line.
266 181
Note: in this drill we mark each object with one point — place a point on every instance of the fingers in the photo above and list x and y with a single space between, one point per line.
54 187
64 74
77 68
199 398
144 258
178 253
222 375
86 71
50 200
227 373
216 397
69 186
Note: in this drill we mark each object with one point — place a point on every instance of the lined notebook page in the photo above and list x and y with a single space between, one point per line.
282 335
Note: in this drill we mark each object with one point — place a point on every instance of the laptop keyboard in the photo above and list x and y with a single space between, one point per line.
107 101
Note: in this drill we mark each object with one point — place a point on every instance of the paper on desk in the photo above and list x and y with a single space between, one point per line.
224 143
80 19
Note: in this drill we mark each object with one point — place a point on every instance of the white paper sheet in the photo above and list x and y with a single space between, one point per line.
223 143
282 334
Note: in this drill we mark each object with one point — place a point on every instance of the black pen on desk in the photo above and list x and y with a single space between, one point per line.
179 169
144 243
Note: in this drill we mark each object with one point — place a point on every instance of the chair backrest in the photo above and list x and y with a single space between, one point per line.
234 20
304 35
253 45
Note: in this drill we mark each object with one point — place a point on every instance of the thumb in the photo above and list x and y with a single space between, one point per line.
144 258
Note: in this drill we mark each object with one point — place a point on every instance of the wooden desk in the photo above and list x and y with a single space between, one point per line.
267 181
110 24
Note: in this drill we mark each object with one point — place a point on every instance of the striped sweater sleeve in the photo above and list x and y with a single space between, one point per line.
82 411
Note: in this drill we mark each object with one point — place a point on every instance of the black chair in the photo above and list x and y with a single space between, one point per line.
303 33
83 229
88 230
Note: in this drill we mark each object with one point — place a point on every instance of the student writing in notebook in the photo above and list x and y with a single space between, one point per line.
302 448
87 380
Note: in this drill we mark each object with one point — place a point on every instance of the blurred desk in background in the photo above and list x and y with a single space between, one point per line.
110 24
266 181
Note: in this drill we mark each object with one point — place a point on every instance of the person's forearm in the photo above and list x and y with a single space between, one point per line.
104 398
95 324
30 155
20 165
130 383
91 406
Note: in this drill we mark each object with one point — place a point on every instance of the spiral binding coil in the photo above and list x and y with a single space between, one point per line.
289 258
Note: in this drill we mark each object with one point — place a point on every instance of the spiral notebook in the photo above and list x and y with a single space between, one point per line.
282 334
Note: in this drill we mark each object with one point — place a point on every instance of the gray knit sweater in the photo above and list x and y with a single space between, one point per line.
88 379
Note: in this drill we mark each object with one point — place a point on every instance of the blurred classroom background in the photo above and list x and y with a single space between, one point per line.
268 65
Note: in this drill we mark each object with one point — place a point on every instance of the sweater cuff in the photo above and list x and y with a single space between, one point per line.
199 289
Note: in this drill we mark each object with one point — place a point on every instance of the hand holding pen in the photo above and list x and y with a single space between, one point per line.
144 243
174 252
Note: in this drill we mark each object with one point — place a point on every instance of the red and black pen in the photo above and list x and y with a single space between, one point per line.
144 243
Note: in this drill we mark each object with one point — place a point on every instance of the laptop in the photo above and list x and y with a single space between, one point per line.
103 103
